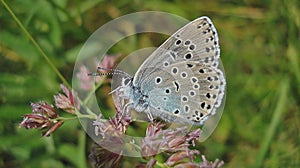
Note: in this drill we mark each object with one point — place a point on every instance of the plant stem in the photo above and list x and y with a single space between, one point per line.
37 46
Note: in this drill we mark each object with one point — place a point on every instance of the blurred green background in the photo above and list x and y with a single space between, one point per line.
259 40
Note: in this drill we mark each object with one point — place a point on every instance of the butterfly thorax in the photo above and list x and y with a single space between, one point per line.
140 99
136 99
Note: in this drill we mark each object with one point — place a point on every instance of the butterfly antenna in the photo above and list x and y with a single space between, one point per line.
112 72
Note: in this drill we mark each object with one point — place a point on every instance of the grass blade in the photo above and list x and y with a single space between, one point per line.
276 118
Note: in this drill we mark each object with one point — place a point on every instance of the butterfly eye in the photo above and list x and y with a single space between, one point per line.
126 81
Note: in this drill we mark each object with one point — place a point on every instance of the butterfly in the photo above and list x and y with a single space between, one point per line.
181 81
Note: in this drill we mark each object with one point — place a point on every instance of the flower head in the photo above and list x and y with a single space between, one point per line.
66 101
85 81
216 164
101 157
109 149
43 117
84 75
175 142
152 141
108 62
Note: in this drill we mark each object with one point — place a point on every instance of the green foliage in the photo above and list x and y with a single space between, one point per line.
260 52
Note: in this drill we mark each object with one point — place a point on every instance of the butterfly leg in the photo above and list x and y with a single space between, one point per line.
149 115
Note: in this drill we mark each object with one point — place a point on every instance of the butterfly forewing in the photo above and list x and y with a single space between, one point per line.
196 41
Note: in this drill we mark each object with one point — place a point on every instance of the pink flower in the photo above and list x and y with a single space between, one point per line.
152 141
35 121
52 128
104 158
111 132
180 157
44 109
170 141
176 142
108 62
216 164
86 81
66 101
43 117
